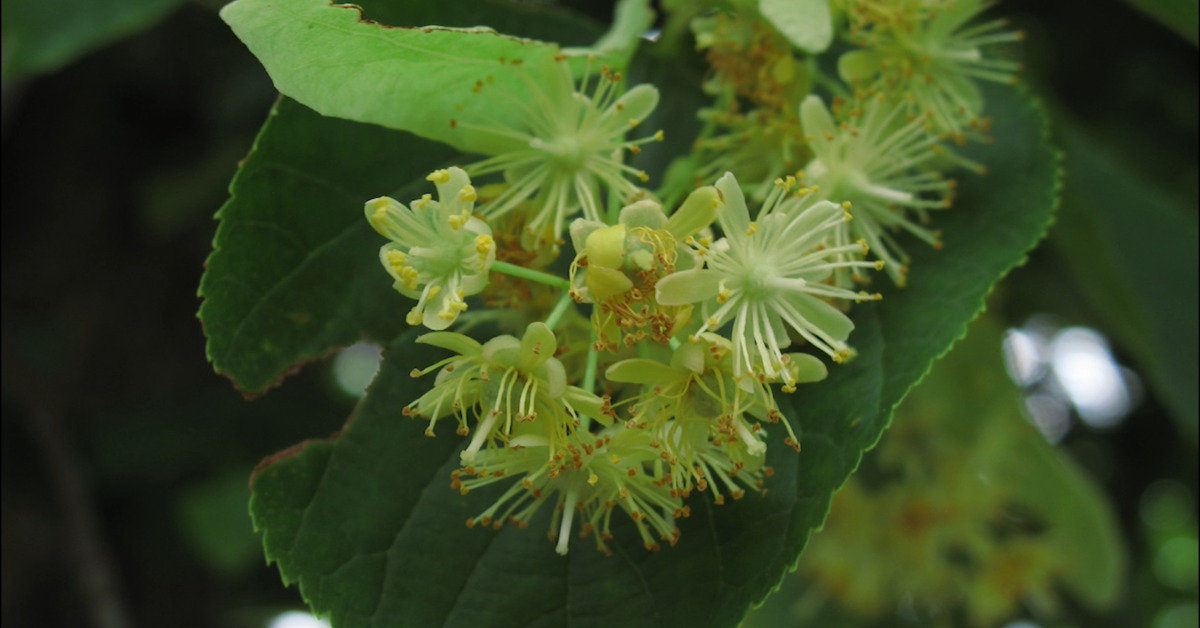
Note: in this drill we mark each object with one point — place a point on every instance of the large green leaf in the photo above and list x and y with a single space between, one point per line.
416 79
44 35
368 526
294 271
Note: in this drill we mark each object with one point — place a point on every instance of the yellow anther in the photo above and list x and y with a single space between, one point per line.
863 243
752 228
658 135
484 244
467 194
633 122
396 259
845 204
592 479
438 176
422 202
879 265
642 176
456 221
380 214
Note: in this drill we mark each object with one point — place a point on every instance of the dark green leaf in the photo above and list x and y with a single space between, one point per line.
44 35
368 525
295 271
1133 250
1181 16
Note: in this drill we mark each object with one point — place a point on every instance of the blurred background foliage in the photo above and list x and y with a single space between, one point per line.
125 459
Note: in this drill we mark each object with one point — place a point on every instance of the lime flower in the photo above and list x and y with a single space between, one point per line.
769 276
878 160
618 266
570 146
925 50
509 386
704 418
760 145
752 59
439 253
590 477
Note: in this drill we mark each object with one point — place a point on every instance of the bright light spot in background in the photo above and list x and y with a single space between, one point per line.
1091 379
296 619
1065 368
1178 616
1022 624
355 366
1023 357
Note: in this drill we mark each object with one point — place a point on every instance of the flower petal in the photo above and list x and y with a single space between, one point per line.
451 341
644 213
687 286
606 246
808 368
822 315
604 283
697 212
537 345
734 218
643 371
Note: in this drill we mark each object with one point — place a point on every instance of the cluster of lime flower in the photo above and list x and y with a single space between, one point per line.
662 388
884 140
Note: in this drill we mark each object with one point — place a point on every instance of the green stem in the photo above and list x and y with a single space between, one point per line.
530 274
589 377
560 308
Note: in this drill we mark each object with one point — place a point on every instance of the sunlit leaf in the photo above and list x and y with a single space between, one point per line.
416 79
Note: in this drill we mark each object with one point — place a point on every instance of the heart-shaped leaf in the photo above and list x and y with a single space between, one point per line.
369 527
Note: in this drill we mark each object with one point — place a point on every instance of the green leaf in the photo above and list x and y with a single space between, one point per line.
1181 16
808 24
43 35
1133 250
368 526
415 79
